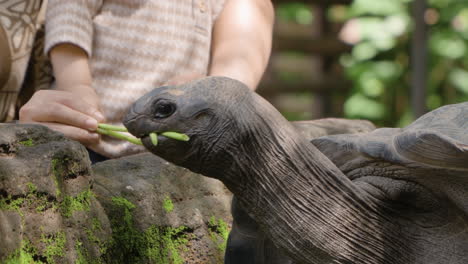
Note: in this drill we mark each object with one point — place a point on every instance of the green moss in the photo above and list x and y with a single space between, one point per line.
40 208
126 240
125 233
40 203
31 187
168 205
96 224
91 233
219 232
81 202
81 254
159 245
37 200
69 204
32 200
65 167
28 143
123 203
23 255
56 171
163 244
12 204
54 246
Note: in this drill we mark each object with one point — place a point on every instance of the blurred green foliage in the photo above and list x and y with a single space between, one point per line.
295 12
379 64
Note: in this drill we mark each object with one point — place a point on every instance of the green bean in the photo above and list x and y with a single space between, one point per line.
176 136
114 134
154 138
112 128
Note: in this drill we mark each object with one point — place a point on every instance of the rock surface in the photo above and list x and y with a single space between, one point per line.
163 211
152 211
48 213
57 208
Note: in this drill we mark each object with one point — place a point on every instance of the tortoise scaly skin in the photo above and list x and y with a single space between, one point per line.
391 196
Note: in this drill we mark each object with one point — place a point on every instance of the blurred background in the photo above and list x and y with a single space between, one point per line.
387 61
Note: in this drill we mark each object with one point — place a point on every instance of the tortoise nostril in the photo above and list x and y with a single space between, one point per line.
134 123
132 126
130 119
139 125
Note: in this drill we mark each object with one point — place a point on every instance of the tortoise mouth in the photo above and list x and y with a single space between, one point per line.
148 142
174 151
165 146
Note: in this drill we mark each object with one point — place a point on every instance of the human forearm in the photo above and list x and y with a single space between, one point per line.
70 64
71 71
73 107
242 39
68 41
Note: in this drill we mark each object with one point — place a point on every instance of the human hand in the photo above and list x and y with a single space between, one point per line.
73 113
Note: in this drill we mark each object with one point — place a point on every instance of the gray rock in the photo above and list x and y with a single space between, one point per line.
166 199
47 210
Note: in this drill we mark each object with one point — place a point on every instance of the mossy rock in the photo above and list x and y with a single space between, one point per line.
152 211
164 213
48 212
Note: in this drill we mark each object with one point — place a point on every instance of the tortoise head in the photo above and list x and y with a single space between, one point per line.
207 110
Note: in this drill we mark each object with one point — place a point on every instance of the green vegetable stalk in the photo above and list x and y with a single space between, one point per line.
114 134
154 138
112 128
176 136
113 131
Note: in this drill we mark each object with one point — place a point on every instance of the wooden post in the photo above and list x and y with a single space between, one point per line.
322 102
419 59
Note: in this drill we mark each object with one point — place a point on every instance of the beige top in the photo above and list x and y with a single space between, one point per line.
134 46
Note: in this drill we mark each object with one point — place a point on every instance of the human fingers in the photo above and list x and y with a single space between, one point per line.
86 94
60 107
83 136
57 113
78 100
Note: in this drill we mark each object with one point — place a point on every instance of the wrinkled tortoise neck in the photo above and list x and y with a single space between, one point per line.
299 196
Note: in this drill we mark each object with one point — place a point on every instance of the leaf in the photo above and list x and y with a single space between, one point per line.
364 51
448 45
459 78
373 7
358 106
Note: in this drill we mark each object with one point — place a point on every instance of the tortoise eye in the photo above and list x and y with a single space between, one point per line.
163 109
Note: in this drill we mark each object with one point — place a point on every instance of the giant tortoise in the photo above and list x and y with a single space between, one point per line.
393 196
